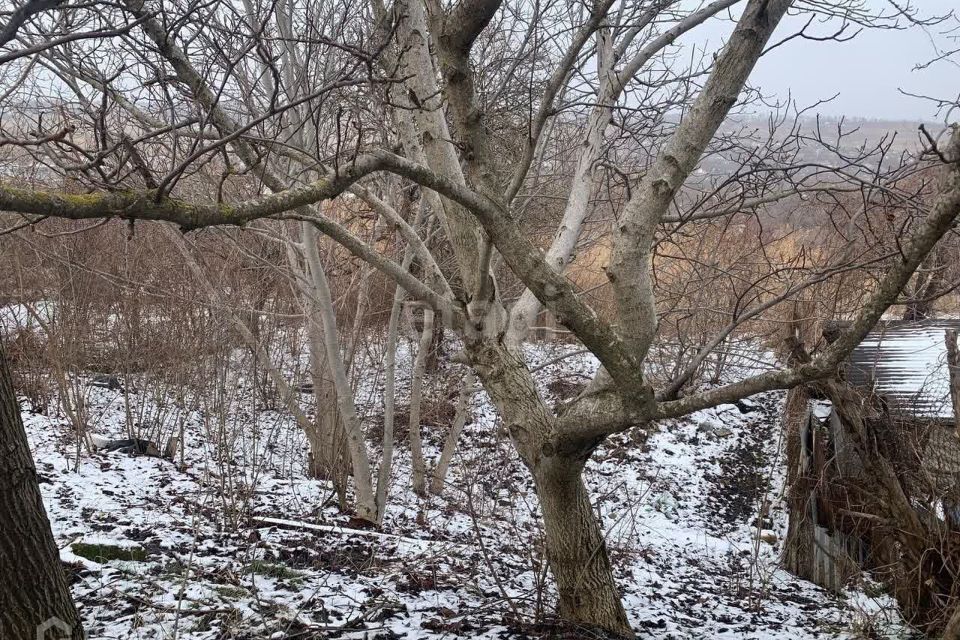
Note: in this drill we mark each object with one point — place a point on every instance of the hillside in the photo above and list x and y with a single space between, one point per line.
240 544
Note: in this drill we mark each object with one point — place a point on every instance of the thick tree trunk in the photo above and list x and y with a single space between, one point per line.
431 134
576 549
34 595
328 456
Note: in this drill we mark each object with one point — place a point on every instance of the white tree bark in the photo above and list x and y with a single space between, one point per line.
327 440
356 444
631 264
389 401
439 476
611 86
432 134
419 465
390 378
525 311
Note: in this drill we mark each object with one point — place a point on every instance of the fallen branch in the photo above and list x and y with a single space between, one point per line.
346 531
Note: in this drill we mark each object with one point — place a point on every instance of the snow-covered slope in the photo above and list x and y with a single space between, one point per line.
692 513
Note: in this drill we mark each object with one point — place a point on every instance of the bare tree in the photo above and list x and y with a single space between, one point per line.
281 114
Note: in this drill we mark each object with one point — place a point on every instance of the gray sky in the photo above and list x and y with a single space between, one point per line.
866 72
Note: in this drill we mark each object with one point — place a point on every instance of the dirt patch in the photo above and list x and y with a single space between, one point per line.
436 415
738 489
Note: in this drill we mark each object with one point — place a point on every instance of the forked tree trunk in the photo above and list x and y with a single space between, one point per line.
353 431
576 549
575 546
33 589
450 444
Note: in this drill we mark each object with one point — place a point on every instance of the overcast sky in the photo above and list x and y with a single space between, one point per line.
866 72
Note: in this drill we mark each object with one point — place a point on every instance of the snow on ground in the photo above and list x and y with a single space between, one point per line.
692 512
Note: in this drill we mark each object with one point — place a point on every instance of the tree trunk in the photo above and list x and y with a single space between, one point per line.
389 398
353 430
450 444
34 595
389 382
952 630
576 549
951 501
524 313
798 549
418 464
327 440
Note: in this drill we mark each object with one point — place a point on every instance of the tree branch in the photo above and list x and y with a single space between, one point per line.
601 411
24 13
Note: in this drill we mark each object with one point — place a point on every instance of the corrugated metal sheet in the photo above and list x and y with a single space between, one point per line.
906 363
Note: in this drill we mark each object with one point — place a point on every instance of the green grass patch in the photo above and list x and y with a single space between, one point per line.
273 570
230 592
108 552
